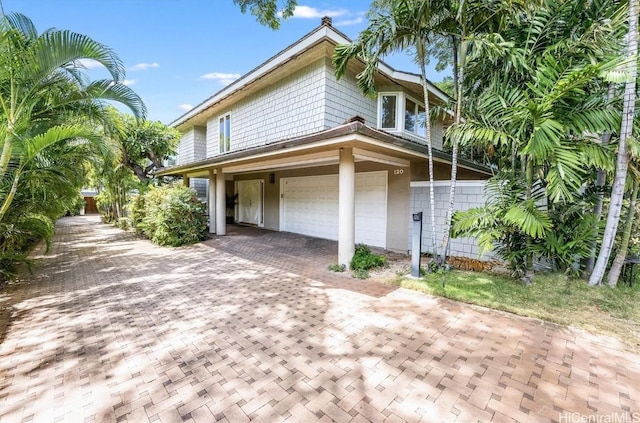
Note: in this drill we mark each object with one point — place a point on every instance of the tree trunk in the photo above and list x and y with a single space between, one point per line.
444 247
622 160
12 193
5 157
621 255
600 181
427 124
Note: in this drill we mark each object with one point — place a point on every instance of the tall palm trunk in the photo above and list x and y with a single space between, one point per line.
454 151
621 254
600 181
427 124
622 161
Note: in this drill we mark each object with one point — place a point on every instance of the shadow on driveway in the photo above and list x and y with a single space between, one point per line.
253 327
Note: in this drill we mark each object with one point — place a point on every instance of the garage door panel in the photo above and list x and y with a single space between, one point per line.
310 207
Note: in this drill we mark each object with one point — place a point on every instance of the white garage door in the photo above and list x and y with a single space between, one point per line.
310 207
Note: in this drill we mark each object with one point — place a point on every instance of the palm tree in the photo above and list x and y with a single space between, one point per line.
621 254
622 158
406 24
534 101
44 94
462 22
601 178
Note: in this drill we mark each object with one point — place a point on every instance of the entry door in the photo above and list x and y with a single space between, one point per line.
250 202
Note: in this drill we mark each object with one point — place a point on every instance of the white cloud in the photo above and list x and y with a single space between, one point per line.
128 82
88 63
306 12
185 107
144 66
347 22
223 78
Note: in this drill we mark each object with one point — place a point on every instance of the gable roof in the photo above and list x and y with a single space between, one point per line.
323 33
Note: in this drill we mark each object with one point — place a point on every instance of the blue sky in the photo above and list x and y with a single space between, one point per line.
178 53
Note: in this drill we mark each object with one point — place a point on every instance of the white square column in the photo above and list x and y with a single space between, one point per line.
212 202
221 204
346 206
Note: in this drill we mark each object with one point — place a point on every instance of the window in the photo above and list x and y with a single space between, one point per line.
225 133
388 111
410 116
421 128
399 112
414 118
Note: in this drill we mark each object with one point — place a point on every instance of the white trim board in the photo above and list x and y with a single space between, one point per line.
425 184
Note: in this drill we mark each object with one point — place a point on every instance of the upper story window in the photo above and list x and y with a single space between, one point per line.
388 111
414 117
225 132
398 112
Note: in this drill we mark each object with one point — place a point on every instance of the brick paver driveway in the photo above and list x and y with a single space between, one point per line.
252 327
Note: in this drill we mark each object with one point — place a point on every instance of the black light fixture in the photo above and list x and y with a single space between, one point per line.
272 178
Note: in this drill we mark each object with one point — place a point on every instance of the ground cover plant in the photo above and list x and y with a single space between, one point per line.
364 260
553 297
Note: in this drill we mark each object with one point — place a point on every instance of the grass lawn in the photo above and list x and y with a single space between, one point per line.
551 297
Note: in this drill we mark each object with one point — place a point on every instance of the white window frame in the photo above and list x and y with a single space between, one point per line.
224 147
399 102
418 104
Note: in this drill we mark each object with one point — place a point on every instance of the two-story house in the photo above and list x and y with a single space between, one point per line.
310 154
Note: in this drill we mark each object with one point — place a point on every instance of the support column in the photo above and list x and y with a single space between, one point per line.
185 180
212 202
346 206
221 204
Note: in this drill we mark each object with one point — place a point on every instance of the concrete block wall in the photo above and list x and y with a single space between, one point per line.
468 194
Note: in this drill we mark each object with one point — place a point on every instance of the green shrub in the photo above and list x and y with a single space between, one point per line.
360 274
17 239
364 260
336 267
105 208
123 223
76 206
137 211
172 216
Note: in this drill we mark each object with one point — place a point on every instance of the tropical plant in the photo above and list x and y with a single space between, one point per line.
268 12
621 253
622 157
143 145
538 97
404 24
461 22
173 216
47 105
41 82
364 260
510 223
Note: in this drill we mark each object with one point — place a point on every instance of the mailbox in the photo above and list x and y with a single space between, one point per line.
416 244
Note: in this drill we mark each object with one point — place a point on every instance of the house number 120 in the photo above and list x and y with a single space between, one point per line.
398 171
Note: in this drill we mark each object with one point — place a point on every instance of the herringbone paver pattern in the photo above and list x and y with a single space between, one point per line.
251 327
